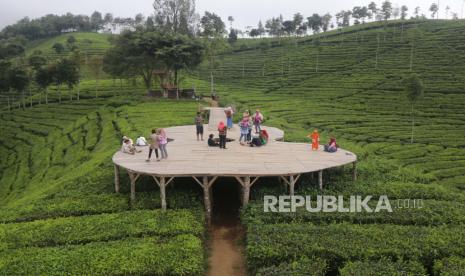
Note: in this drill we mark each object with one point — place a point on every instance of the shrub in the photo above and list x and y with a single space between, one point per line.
383 267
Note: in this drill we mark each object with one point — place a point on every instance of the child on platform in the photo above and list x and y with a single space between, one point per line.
211 141
315 136
331 146
222 131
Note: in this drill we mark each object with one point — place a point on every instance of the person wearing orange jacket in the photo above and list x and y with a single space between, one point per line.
315 136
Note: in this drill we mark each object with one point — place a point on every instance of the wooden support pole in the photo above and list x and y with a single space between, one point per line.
133 176
116 178
206 198
320 179
246 194
291 185
162 193
354 170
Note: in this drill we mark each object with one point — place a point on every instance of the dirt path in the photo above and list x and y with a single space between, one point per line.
226 232
226 251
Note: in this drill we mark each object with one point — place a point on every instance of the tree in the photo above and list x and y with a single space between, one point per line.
403 12
254 33
145 52
58 47
95 65
176 16
298 22
65 72
44 78
415 90
447 11
315 22
417 12
274 26
113 66
289 27
108 20
434 10
326 20
96 21
71 43
386 10
231 20
232 37
212 25
373 10
346 18
18 79
261 30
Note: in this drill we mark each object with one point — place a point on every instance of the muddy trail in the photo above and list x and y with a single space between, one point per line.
226 232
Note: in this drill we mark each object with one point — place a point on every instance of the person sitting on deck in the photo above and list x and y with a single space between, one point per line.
315 136
331 146
127 147
212 142
141 141
260 140
222 131
128 143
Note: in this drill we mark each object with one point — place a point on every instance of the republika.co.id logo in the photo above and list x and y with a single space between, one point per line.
330 203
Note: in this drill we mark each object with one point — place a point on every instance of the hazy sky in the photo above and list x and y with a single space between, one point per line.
245 12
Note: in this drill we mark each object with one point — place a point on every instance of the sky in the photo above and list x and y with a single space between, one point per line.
244 12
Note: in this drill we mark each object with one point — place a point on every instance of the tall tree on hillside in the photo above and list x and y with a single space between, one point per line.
346 18
231 20
213 30
96 67
403 12
274 26
44 78
373 10
386 10
434 10
298 23
326 21
289 27
260 28
339 17
64 72
113 66
18 80
356 14
108 20
176 16
96 21
415 90
314 22
417 12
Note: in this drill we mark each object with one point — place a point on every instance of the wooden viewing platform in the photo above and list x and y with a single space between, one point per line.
188 157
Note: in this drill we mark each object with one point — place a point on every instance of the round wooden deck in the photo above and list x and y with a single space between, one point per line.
188 157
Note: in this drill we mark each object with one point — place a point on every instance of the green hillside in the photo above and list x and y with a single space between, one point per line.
87 43
349 85
59 213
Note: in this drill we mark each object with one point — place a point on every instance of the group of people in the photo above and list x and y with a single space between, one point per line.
157 142
158 139
315 137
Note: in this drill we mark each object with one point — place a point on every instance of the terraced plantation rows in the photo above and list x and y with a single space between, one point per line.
349 85
58 210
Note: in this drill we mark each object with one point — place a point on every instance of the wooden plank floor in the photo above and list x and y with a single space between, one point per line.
189 157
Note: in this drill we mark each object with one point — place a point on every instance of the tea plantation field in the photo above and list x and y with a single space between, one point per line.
58 210
59 213
348 84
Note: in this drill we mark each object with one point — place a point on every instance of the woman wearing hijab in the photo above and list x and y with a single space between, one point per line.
229 117
257 120
222 132
331 146
162 142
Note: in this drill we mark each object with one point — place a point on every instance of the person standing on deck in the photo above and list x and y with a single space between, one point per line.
315 136
229 116
154 145
258 120
199 126
162 141
244 127
222 131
